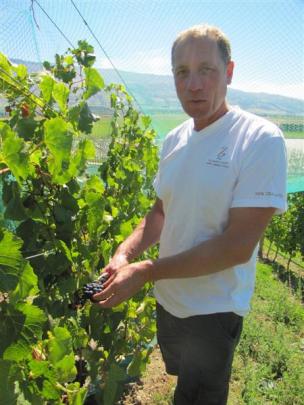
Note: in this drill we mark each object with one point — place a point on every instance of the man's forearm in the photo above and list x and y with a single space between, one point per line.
208 257
146 234
234 246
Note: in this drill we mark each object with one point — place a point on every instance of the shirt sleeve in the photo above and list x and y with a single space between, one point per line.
262 180
156 183
163 152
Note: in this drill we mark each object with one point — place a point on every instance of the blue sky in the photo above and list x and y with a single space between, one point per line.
267 36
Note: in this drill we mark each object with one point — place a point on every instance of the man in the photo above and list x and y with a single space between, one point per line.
222 175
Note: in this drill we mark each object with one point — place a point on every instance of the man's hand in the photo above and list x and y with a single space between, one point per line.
118 260
123 283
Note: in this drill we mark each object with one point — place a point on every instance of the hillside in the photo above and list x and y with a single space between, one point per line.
156 93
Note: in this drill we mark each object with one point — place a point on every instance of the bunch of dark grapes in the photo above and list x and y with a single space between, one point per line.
88 290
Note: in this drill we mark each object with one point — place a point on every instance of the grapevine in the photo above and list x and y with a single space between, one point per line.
58 229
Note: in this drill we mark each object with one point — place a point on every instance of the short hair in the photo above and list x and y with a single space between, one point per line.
205 31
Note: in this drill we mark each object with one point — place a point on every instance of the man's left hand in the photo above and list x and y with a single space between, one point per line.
123 284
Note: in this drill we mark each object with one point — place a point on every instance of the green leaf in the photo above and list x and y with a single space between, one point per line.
84 151
14 209
59 141
94 82
82 117
5 64
69 60
49 390
86 119
12 322
46 86
146 120
85 46
95 184
17 352
65 368
74 112
126 228
61 245
34 321
138 363
95 217
26 128
7 383
14 153
60 344
21 71
27 285
76 394
60 95
39 367
11 260
114 378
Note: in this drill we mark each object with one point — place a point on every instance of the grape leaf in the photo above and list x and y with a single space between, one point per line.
7 383
59 141
76 394
27 285
13 153
11 260
94 82
60 344
115 376
65 368
60 95
46 86
12 322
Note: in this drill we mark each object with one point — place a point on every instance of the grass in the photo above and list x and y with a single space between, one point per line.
297 259
268 364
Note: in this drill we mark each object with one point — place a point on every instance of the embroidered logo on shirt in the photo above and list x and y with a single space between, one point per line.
218 161
221 153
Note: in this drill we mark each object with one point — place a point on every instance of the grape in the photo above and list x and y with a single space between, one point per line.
88 290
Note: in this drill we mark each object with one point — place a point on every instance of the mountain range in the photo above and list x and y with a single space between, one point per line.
156 93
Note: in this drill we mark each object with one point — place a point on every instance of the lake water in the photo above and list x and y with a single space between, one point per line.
295 154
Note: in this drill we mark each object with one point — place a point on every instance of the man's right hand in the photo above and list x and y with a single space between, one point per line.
117 261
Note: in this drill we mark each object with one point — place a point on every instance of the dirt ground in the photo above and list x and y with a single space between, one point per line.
154 387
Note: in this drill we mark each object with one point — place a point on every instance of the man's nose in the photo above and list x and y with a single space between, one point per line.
195 82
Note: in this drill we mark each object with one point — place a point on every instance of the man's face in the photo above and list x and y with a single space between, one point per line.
201 78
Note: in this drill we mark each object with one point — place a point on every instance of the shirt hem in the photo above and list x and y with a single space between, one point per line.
281 206
184 314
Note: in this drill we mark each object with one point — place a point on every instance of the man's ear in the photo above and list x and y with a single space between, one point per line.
229 71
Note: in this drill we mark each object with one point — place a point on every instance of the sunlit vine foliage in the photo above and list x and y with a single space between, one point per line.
65 225
286 232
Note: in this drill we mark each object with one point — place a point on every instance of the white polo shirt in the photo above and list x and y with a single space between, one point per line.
237 161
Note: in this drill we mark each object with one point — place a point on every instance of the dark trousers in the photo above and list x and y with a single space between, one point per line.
199 351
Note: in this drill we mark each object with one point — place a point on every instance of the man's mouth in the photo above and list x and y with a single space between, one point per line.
197 101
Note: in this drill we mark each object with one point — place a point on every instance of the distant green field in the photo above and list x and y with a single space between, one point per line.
163 123
102 128
294 135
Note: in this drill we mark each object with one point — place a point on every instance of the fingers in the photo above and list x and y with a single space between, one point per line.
108 298
109 302
106 293
108 281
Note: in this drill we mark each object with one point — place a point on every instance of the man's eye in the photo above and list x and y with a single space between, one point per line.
181 72
206 70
